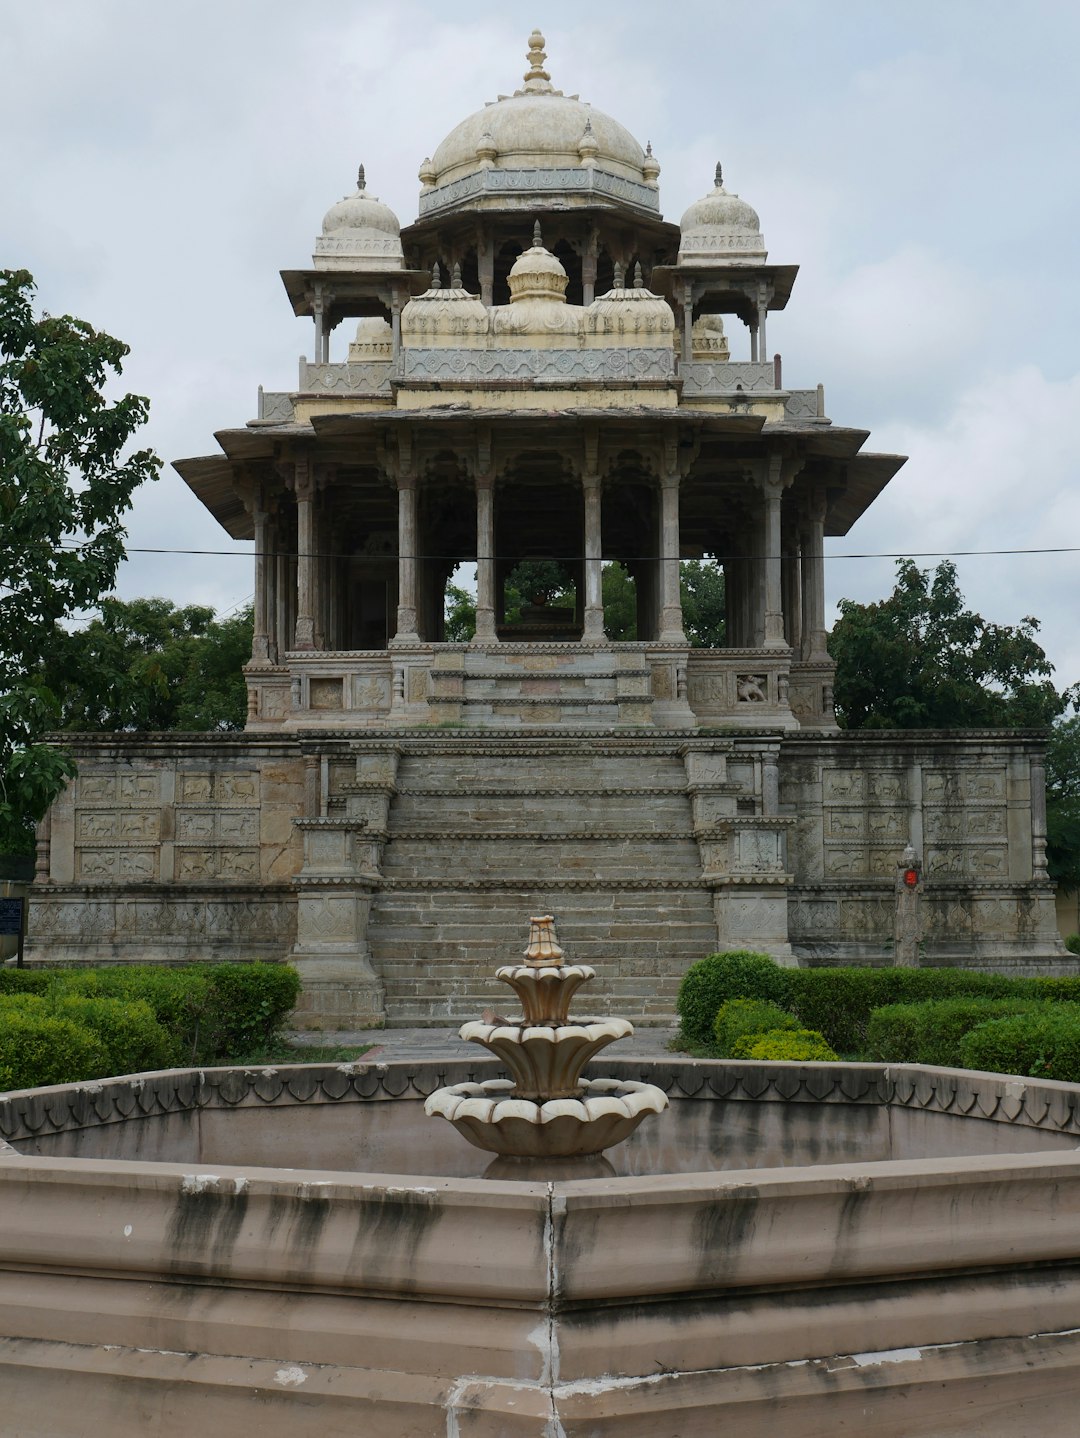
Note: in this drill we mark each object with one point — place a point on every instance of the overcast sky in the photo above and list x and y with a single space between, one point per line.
918 159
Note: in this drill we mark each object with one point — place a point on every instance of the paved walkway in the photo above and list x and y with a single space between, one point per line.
416 1045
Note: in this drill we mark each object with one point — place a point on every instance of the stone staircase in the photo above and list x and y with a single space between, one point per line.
482 834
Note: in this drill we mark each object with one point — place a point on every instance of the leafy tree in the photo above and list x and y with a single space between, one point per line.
459 615
921 660
620 602
701 582
146 664
1063 804
66 479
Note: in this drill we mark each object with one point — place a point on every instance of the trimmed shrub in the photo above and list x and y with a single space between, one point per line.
930 1033
38 1048
838 1002
249 1006
737 974
25 981
739 1017
1043 1044
1072 943
131 1036
180 998
805 1045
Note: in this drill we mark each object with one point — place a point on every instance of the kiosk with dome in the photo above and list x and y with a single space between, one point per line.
540 367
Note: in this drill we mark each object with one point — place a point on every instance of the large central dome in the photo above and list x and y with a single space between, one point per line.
535 140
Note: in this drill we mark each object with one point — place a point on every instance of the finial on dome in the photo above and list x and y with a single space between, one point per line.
638 281
718 178
361 179
436 276
455 276
536 77
617 276
650 168
538 239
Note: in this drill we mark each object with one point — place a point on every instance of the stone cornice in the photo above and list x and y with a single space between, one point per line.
535 836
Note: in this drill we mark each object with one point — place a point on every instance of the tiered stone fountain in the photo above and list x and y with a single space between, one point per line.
547 1121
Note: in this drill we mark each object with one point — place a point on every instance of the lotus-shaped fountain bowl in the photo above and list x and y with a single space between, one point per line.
492 1117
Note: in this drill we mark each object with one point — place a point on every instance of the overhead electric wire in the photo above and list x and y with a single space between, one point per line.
581 558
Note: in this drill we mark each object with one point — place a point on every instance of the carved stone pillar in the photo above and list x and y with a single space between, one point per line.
485 265
304 486
671 615
407 541
1038 820
772 493
321 337
813 581
485 558
792 591
594 599
260 639
762 318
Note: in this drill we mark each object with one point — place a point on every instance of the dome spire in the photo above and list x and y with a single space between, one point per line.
361 179
536 77
538 239
718 178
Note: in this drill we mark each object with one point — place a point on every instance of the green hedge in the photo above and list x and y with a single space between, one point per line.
839 1002
1044 1044
738 974
135 1018
739 1017
790 1045
39 1048
930 1033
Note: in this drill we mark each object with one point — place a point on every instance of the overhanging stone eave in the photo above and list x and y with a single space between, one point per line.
355 294
337 425
446 223
865 477
212 480
725 278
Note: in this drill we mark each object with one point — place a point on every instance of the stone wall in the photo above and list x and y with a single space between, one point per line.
397 868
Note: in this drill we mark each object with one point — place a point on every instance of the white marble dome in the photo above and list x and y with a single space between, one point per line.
721 226
359 232
538 127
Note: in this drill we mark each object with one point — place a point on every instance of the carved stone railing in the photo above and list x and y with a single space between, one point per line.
540 366
353 378
275 406
749 685
704 377
581 183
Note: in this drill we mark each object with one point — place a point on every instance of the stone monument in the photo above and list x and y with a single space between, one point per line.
540 366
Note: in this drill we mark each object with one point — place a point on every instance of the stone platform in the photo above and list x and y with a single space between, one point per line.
394 867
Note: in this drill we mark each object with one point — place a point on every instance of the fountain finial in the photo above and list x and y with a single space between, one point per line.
543 949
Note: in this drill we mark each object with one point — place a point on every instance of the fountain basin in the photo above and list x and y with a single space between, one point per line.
603 1113
889 1251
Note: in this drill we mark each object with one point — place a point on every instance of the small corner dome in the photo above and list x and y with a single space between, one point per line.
359 232
537 273
721 225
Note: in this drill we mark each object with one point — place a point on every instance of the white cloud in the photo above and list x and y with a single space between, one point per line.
999 473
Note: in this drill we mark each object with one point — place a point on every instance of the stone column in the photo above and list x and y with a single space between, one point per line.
485 268
762 317
304 486
772 488
320 326
688 324
395 324
753 328
1038 820
594 599
812 536
260 639
671 616
792 588
485 558
407 539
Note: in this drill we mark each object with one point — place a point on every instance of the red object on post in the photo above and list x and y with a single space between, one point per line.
911 878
